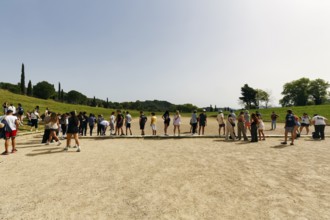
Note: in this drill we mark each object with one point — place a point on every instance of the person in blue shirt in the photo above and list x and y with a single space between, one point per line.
290 123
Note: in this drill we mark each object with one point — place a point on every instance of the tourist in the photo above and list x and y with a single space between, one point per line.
153 123
34 119
128 121
53 128
84 123
142 122
64 124
104 125
46 120
193 122
261 128
319 123
10 131
305 123
202 122
230 128
20 113
221 122
241 127
254 127
112 123
273 117
91 123
247 119
167 119
99 120
13 108
4 108
290 123
73 130
119 123
177 122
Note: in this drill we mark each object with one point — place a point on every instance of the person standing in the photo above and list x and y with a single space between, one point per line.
290 123
20 113
305 123
247 119
254 127
142 122
273 117
221 122
193 122
84 122
64 124
73 130
261 128
112 123
128 121
153 123
91 123
241 127
319 123
230 128
167 119
202 122
119 123
177 122
13 108
11 131
34 119
5 108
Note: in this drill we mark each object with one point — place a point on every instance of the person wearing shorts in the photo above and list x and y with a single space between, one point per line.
153 123
305 122
119 123
290 124
221 122
11 131
128 121
202 122
142 122
167 119
73 130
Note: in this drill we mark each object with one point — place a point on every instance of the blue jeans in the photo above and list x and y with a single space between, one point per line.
273 124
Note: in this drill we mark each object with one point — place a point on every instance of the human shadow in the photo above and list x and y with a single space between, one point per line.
49 151
280 146
29 142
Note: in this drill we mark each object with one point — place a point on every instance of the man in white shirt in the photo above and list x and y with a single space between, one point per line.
128 120
319 124
221 121
13 108
11 131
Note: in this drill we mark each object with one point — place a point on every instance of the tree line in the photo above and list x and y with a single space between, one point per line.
299 92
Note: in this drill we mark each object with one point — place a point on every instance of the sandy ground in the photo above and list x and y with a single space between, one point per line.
195 178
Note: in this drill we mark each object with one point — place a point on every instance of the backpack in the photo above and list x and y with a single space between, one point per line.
315 135
5 128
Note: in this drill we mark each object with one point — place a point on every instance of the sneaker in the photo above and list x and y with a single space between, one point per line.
283 143
66 148
75 146
78 150
47 143
59 143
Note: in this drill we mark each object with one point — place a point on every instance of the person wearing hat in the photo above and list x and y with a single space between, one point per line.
11 131
221 122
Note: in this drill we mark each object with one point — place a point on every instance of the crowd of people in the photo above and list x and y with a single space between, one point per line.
71 125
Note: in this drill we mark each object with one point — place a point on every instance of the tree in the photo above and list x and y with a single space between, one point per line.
75 97
262 96
23 80
248 96
43 90
318 90
62 95
94 104
295 93
59 91
29 91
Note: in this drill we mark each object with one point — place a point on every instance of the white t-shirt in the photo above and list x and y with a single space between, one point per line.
12 108
220 119
128 118
105 123
319 120
112 119
177 120
34 115
11 119
305 120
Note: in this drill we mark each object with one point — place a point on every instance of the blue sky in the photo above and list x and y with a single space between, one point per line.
182 51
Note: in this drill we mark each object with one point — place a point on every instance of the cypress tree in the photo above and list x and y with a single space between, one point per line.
29 89
23 80
62 95
59 91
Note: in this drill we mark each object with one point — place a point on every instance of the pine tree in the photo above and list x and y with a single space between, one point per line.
23 80
29 91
